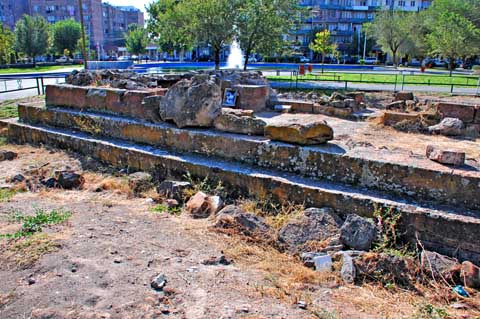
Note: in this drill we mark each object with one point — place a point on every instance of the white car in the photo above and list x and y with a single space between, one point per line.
123 58
371 60
304 59
62 59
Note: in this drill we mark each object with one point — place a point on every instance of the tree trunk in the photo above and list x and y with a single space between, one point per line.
323 60
217 59
182 52
394 55
451 65
34 62
247 55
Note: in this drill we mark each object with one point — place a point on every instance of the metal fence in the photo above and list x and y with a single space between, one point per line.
395 81
35 81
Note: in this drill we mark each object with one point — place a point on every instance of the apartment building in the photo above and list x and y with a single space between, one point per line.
344 18
105 24
116 20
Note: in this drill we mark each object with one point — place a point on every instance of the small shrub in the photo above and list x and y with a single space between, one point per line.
203 185
428 311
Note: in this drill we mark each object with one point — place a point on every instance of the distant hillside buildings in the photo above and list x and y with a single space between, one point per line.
105 24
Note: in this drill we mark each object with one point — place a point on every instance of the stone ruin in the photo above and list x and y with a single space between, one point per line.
172 125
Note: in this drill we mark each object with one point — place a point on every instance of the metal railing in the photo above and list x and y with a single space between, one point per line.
21 82
398 80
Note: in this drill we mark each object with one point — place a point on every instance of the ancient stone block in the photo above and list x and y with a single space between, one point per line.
391 118
230 122
317 132
470 274
465 113
252 97
396 105
301 106
445 156
448 126
96 98
65 95
477 115
403 96
333 111
359 97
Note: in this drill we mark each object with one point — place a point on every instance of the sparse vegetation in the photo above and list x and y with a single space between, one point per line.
428 311
33 224
6 194
162 208
205 185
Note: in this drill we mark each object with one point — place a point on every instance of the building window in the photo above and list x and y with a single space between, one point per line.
51 19
49 9
412 3
401 3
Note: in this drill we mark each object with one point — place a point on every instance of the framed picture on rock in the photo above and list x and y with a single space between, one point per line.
230 97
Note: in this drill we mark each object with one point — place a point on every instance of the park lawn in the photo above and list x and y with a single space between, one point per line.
423 79
8 109
42 68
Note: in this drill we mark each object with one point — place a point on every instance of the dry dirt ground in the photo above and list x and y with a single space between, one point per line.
100 262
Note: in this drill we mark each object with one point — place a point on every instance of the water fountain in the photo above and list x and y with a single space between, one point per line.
235 58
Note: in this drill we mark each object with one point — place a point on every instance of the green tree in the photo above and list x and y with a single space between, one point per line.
261 25
321 44
66 34
7 42
391 29
31 36
170 26
453 29
136 39
213 23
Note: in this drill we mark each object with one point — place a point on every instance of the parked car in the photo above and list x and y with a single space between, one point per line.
304 59
414 62
252 59
123 58
371 60
62 59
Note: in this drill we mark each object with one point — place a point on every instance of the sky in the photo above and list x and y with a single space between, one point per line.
140 4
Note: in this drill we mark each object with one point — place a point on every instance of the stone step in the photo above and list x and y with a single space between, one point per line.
447 231
411 177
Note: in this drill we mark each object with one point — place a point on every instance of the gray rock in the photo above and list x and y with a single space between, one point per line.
194 102
140 182
404 96
69 180
316 224
315 132
173 189
436 264
159 282
348 271
396 105
7 155
234 217
357 232
18 178
448 126
308 258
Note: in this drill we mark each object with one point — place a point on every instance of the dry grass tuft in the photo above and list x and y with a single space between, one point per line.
286 278
24 252
96 182
5 299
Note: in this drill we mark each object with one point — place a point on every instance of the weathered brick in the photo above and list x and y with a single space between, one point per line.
252 97
392 118
466 113
66 95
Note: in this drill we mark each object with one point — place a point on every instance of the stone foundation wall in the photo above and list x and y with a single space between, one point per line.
405 180
107 100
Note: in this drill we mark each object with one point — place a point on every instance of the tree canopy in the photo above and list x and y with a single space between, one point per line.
66 34
263 23
321 44
31 36
7 42
136 39
391 29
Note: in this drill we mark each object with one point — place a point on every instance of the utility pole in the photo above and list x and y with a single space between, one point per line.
84 51
364 45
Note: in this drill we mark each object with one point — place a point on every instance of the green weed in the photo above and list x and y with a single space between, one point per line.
428 311
162 208
203 185
6 194
33 224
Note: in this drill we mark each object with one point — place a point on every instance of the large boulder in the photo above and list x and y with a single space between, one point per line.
314 225
316 132
448 126
192 102
239 121
357 232
69 180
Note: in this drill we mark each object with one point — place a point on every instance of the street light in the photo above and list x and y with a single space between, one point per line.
84 51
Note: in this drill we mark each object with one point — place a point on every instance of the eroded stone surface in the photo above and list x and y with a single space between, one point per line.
465 113
193 102
448 126
317 132
238 122
449 157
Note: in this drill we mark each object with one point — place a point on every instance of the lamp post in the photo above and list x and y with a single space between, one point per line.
84 51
